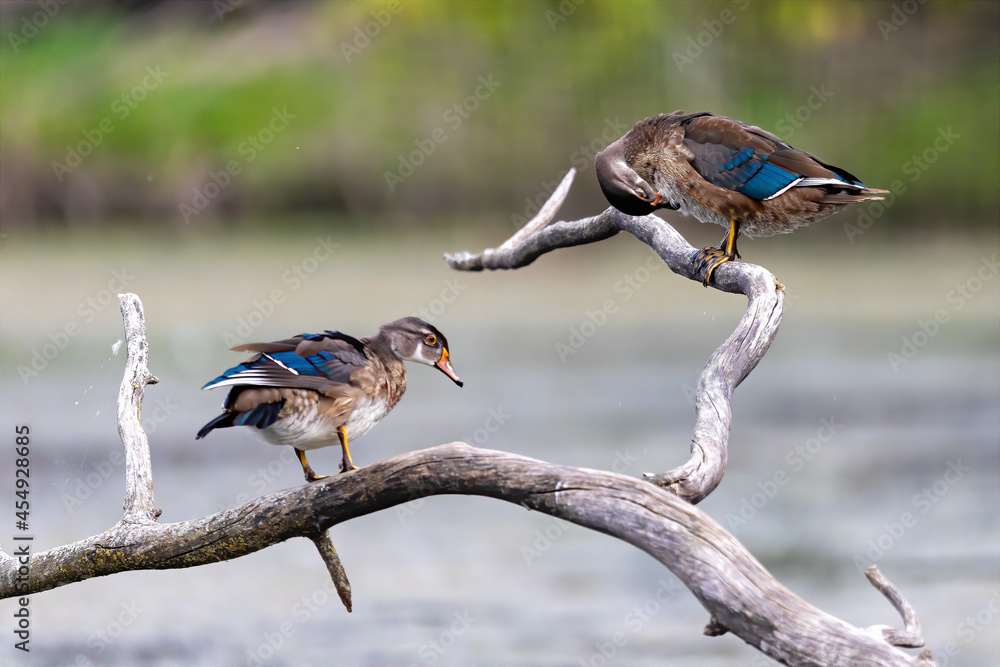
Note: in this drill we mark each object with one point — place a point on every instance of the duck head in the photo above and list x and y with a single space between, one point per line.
412 339
625 189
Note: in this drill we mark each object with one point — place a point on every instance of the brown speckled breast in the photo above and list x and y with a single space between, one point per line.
384 378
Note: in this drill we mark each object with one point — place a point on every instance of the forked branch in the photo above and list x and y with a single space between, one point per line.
726 368
739 594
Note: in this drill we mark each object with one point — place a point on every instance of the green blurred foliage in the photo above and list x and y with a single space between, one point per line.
373 87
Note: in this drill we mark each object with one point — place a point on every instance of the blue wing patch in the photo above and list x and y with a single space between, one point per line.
750 173
737 160
312 365
274 367
235 370
262 416
768 180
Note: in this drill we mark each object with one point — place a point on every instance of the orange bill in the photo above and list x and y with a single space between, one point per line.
446 368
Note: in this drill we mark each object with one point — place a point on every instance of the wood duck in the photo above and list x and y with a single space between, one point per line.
723 171
318 390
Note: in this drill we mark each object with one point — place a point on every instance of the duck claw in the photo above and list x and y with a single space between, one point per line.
711 257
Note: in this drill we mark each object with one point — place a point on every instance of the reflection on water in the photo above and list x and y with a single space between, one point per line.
837 459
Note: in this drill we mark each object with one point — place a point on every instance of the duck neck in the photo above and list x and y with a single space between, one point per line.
387 368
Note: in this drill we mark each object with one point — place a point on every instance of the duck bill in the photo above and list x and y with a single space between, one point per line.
445 366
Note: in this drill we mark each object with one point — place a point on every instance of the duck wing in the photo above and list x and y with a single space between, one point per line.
746 159
321 362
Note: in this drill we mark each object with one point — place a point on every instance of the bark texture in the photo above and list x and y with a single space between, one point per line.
739 595
726 368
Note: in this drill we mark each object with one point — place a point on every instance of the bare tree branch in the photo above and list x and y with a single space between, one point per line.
910 636
138 467
726 368
333 565
138 504
739 594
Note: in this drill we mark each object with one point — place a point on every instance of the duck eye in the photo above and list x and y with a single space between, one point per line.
430 339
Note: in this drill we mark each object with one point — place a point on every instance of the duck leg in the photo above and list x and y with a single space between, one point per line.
726 252
346 464
311 476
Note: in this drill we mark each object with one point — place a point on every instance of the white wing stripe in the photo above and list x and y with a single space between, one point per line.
806 182
242 380
803 182
290 370
782 191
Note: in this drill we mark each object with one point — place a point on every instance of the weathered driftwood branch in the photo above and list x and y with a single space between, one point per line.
910 636
138 506
333 565
726 368
739 594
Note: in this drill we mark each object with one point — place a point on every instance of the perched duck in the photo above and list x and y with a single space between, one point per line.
723 171
318 390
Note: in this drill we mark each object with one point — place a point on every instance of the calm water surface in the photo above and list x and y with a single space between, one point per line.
855 443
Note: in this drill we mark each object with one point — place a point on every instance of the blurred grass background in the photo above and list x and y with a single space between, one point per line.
164 96
866 86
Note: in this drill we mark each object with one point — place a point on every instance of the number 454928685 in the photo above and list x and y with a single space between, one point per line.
22 473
